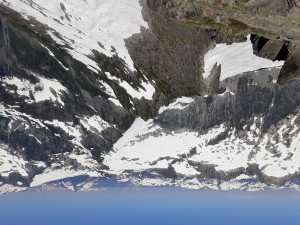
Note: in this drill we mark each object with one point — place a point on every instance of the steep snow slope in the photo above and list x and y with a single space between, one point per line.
86 25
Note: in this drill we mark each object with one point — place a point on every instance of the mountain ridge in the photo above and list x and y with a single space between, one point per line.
167 119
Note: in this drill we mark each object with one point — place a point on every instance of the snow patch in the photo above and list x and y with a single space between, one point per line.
235 59
52 175
180 103
146 92
11 163
45 89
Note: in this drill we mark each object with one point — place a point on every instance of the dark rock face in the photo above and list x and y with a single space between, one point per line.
214 110
253 95
274 50
291 70
171 54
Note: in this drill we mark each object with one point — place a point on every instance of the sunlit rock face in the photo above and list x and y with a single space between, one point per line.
274 17
276 22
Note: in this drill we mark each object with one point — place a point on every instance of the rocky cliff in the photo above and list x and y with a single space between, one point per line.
186 103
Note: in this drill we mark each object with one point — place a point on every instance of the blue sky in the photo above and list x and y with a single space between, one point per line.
153 207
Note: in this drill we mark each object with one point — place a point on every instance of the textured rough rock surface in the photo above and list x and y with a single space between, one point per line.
172 53
277 21
276 18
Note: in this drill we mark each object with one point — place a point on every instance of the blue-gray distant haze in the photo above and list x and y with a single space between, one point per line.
150 207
